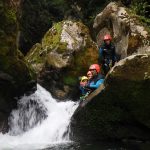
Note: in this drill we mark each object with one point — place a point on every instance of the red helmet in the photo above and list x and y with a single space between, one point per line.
95 67
107 37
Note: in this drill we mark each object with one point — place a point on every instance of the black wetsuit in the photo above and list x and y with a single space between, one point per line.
107 56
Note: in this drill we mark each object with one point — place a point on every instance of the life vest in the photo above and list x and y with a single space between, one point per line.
95 82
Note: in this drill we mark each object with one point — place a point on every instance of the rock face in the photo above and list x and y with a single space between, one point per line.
129 36
16 77
122 110
65 53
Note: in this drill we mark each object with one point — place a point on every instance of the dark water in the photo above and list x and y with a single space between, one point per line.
101 146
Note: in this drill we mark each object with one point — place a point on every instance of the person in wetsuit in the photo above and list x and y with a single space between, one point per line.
97 78
107 54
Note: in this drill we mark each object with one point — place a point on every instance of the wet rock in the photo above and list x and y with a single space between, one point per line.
65 53
16 79
3 122
122 110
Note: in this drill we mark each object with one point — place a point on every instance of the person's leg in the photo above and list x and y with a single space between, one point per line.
105 68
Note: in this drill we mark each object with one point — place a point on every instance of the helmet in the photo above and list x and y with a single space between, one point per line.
83 78
95 67
107 37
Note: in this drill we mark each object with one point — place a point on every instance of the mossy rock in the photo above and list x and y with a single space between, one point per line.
52 44
52 37
8 29
65 53
16 79
16 76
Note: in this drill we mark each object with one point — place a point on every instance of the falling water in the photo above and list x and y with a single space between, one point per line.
40 121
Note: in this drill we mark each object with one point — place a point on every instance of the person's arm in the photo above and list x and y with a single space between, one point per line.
98 83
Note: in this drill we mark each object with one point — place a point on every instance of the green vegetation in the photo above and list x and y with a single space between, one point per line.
141 8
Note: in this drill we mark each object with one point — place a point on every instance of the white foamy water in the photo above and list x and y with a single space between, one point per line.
39 122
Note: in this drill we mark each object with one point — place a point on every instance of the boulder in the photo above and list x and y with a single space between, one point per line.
122 109
65 53
128 33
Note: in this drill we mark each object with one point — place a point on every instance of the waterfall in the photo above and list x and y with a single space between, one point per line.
38 122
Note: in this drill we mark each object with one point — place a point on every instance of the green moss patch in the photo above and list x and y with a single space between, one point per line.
36 55
52 38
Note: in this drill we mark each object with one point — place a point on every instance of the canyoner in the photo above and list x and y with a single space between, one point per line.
93 81
107 54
